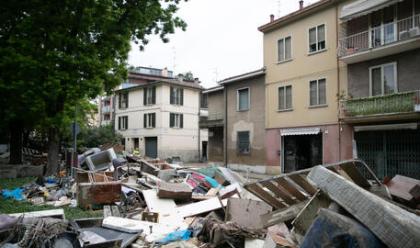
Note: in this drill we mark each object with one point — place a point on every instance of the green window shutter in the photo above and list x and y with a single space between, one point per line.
172 95
126 105
181 121
181 96
154 95
153 120
119 123
119 100
144 96
145 120
171 120
126 122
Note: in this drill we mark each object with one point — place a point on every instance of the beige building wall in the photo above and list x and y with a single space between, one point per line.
303 68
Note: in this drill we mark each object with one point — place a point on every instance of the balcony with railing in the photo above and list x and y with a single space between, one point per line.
397 106
385 39
214 119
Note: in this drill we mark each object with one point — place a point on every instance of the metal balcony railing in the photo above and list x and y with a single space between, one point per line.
404 102
215 116
380 36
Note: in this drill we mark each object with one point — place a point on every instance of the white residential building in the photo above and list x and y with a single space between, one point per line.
159 116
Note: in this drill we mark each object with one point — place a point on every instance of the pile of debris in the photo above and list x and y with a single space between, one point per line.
152 203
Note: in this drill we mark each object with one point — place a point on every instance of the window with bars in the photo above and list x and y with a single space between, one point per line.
317 92
123 123
285 97
149 120
176 120
284 47
176 96
243 145
317 38
149 96
123 100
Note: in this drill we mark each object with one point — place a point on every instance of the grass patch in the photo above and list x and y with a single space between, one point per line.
8 206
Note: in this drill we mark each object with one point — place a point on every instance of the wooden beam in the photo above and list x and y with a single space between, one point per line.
265 196
279 193
290 188
302 182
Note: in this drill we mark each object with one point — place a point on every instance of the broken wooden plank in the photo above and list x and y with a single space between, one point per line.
156 204
265 196
90 195
395 226
278 192
355 175
200 207
290 188
302 182
306 216
179 191
53 213
240 210
282 215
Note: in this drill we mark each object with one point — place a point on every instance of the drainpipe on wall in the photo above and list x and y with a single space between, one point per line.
338 84
199 129
225 134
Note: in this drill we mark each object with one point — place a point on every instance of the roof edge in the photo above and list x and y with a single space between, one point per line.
243 76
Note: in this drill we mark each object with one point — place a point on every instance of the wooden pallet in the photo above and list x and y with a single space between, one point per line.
284 191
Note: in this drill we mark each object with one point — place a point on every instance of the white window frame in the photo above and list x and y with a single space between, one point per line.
237 99
285 96
316 38
149 123
149 99
317 93
124 122
177 95
284 49
382 77
177 120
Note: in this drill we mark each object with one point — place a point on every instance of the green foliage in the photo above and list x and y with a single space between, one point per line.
56 54
187 76
13 206
96 136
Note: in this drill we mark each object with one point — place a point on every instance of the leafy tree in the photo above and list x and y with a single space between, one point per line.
56 53
97 136
187 76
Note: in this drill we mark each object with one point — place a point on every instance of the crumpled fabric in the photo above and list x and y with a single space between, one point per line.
16 194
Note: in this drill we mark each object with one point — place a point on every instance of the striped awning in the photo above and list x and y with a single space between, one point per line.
300 131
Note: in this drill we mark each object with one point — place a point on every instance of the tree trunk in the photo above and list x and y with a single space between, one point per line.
53 151
16 130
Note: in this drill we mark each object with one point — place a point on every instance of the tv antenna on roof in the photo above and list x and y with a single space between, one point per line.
278 8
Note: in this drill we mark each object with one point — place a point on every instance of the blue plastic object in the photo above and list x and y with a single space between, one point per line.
213 183
175 236
16 194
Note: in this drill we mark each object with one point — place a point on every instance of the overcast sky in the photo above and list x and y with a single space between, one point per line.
221 39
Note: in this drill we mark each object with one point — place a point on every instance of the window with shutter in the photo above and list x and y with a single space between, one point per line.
317 92
243 145
150 120
317 40
243 99
176 120
285 98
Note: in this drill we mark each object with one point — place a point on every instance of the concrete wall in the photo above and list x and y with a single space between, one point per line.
216 102
215 145
252 120
408 73
303 68
183 142
298 72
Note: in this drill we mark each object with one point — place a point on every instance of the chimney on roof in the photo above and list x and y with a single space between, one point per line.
164 72
271 18
300 4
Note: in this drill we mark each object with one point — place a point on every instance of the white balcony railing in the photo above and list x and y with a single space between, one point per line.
380 36
106 109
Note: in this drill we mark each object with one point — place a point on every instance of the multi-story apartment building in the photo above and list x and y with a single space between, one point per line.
106 110
159 115
380 43
303 81
236 122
